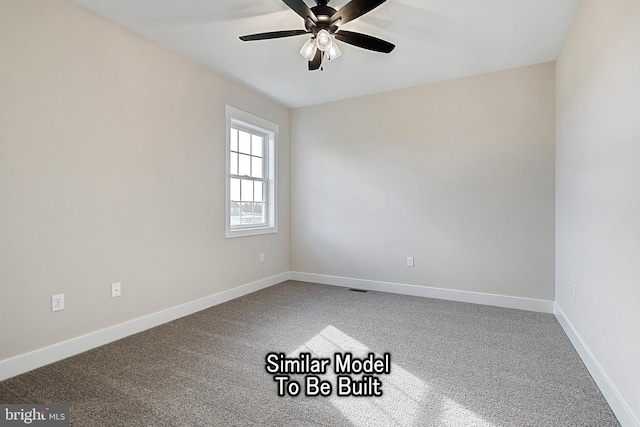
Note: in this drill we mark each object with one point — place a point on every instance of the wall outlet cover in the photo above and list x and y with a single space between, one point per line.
57 302
116 290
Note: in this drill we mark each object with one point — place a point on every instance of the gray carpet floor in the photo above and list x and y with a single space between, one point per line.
452 364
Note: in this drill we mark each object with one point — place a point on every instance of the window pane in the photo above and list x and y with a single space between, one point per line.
245 165
235 213
234 188
256 145
245 213
258 194
245 142
256 167
234 139
259 213
246 193
233 164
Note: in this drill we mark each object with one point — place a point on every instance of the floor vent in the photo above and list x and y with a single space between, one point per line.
364 291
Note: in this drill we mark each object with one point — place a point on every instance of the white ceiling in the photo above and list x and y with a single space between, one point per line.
435 40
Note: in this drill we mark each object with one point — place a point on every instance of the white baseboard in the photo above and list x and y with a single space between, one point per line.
542 306
616 402
44 356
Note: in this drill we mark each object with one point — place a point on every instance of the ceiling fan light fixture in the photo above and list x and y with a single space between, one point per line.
308 50
323 39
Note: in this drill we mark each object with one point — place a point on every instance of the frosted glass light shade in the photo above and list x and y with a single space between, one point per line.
334 51
324 40
308 50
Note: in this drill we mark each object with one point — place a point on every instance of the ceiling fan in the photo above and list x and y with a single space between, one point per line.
322 22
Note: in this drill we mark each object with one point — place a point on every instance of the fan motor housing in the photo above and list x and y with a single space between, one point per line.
324 13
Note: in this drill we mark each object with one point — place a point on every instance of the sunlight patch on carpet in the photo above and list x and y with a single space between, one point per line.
404 394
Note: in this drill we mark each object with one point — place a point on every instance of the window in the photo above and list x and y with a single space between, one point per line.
250 180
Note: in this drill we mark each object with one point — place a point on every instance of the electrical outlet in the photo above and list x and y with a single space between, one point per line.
116 290
261 257
57 302
409 261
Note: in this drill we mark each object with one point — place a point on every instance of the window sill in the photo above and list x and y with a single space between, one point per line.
246 232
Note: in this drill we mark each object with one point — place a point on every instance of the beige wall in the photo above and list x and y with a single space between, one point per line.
598 188
112 169
459 175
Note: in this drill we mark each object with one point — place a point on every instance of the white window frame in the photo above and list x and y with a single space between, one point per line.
242 119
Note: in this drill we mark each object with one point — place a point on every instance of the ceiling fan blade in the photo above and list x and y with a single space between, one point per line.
317 61
300 7
354 9
272 35
364 41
